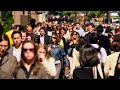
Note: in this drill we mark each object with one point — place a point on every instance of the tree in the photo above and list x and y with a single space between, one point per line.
63 12
8 20
92 14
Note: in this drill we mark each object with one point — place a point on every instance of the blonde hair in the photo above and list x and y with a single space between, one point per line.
77 38
45 48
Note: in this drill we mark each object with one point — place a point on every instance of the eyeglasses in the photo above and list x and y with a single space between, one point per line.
54 37
74 34
26 49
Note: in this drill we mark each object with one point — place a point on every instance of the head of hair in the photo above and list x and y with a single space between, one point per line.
93 37
16 32
57 37
23 30
108 29
81 42
35 48
99 29
37 64
88 56
77 38
91 24
39 24
116 37
115 45
46 50
4 37
63 28
13 26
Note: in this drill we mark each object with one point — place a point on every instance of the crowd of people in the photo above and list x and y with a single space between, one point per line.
60 51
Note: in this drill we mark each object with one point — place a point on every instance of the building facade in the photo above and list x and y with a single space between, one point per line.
21 17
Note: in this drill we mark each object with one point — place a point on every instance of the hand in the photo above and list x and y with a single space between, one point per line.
71 43
67 71
42 57
49 48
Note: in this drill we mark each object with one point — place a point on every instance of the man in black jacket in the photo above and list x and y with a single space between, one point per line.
43 37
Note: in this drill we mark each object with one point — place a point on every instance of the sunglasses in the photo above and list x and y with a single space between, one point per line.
74 34
54 37
26 49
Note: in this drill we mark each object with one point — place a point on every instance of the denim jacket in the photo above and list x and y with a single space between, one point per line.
57 52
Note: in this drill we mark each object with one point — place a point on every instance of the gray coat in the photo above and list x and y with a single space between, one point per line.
7 67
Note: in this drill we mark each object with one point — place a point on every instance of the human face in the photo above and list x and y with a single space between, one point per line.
41 53
42 32
3 47
23 36
53 38
28 50
29 38
77 26
70 27
29 30
62 32
90 28
58 33
74 35
17 39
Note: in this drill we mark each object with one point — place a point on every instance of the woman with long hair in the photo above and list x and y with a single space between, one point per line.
58 53
29 67
90 67
47 61
8 62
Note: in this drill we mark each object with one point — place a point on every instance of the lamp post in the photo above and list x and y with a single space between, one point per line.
108 17
29 17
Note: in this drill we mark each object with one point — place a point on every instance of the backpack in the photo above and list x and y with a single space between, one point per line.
117 69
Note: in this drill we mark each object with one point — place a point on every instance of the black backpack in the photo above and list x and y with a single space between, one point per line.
117 70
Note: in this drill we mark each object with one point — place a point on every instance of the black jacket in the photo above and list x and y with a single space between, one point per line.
46 39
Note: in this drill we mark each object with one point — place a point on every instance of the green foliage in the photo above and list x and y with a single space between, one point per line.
97 13
64 12
8 21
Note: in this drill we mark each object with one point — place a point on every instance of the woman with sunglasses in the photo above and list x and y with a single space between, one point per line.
58 53
47 61
8 62
73 46
62 41
73 42
29 67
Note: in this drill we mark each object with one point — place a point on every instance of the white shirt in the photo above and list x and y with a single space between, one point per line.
49 66
42 39
80 31
17 53
101 55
